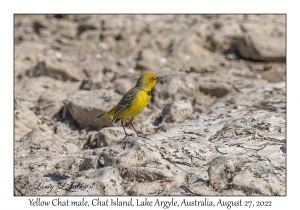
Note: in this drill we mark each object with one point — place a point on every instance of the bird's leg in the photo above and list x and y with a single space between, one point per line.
134 129
131 123
139 135
126 134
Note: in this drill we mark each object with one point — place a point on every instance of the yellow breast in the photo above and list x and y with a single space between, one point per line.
138 105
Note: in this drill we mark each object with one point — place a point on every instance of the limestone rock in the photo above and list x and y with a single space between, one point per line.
25 120
123 85
222 169
84 27
109 135
85 106
50 103
177 111
190 45
141 189
259 47
250 185
71 148
201 64
147 55
267 28
106 180
89 84
54 69
174 88
90 162
37 136
214 89
225 35
190 55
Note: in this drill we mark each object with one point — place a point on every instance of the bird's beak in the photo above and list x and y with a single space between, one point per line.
159 77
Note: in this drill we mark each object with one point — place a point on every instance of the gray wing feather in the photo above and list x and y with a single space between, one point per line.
124 103
127 101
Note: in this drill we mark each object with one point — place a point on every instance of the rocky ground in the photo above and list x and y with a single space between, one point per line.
216 123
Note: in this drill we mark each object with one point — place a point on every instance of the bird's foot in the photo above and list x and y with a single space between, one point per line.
142 136
126 134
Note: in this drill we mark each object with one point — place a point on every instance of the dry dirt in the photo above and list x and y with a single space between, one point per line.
216 123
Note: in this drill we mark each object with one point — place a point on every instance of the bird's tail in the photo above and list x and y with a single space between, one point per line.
110 113
101 115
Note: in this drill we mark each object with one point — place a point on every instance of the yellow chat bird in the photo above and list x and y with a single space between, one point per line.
134 101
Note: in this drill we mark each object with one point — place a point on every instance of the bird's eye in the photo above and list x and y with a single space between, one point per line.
151 78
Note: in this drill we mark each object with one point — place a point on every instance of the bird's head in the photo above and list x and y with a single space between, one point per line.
147 80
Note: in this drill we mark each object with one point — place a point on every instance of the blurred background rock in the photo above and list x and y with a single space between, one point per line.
218 70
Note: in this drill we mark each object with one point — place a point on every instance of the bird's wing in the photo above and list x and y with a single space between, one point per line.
125 102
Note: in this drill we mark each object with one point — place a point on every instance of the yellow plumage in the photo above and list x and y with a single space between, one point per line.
134 101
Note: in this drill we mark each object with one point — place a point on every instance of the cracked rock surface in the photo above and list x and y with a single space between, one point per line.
215 125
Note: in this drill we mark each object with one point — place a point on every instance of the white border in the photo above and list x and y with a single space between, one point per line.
8 8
